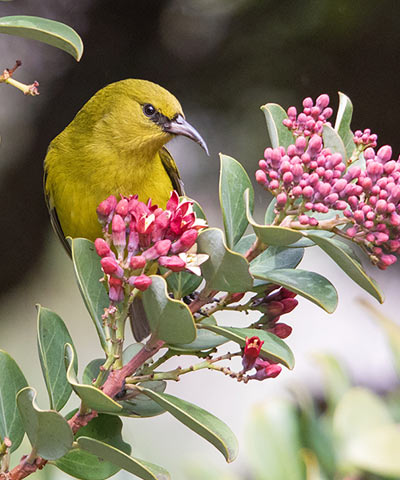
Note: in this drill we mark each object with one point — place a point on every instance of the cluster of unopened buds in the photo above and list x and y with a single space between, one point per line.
275 302
306 177
251 359
144 237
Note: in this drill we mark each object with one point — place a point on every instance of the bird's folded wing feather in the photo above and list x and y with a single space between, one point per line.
172 170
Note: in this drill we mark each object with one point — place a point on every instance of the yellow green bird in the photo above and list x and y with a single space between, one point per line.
114 145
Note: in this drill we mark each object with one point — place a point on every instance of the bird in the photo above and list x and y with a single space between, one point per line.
115 145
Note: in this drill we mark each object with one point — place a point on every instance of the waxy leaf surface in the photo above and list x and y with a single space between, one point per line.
205 339
88 274
333 141
279 135
47 430
44 30
171 320
12 380
343 123
233 181
52 337
200 421
225 269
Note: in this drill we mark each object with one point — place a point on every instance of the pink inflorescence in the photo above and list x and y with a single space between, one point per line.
143 234
306 177
312 119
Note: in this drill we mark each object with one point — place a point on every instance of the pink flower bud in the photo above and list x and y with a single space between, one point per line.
300 143
395 219
116 291
322 101
102 247
261 177
111 267
385 153
381 206
307 102
263 164
281 199
145 223
340 185
122 207
118 233
174 263
315 144
303 219
292 113
142 282
308 192
274 184
297 191
137 262
387 260
106 208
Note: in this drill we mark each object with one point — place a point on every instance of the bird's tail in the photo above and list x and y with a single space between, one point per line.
139 323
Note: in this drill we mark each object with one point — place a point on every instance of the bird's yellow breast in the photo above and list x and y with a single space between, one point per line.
75 187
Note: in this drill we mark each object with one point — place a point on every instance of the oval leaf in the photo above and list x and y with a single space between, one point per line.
86 466
52 337
225 269
276 257
144 470
200 421
333 141
310 285
343 122
88 274
142 405
12 380
271 234
169 319
279 135
348 264
44 30
182 283
233 181
92 371
91 396
273 349
205 340
48 431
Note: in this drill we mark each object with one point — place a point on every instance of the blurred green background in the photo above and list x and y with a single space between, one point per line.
222 59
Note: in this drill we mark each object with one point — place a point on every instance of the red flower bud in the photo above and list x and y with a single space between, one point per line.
111 267
122 207
106 208
116 292
173 201
281 330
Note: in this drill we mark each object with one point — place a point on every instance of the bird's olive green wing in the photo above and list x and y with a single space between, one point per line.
172 170
55 222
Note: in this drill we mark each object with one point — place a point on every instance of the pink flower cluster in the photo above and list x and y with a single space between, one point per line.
306 177
275 303
142 235
312 119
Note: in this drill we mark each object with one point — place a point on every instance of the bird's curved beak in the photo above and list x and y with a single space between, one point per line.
179 126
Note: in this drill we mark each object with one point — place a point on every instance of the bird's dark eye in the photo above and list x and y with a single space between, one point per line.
149 110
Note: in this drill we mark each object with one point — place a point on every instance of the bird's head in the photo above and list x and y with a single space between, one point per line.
139 115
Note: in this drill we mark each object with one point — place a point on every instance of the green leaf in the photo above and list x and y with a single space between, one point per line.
306 242
276 257
182 283
205 339
44 30
91 396
348 264
333 141
52 337
144 470
225 269
310 285
88 274
233 181
270 212
84 465
143 406
200 421
12 380
245 243
92 370
131 351
279 135
271 234
273 349
169 319
343 123
47 430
